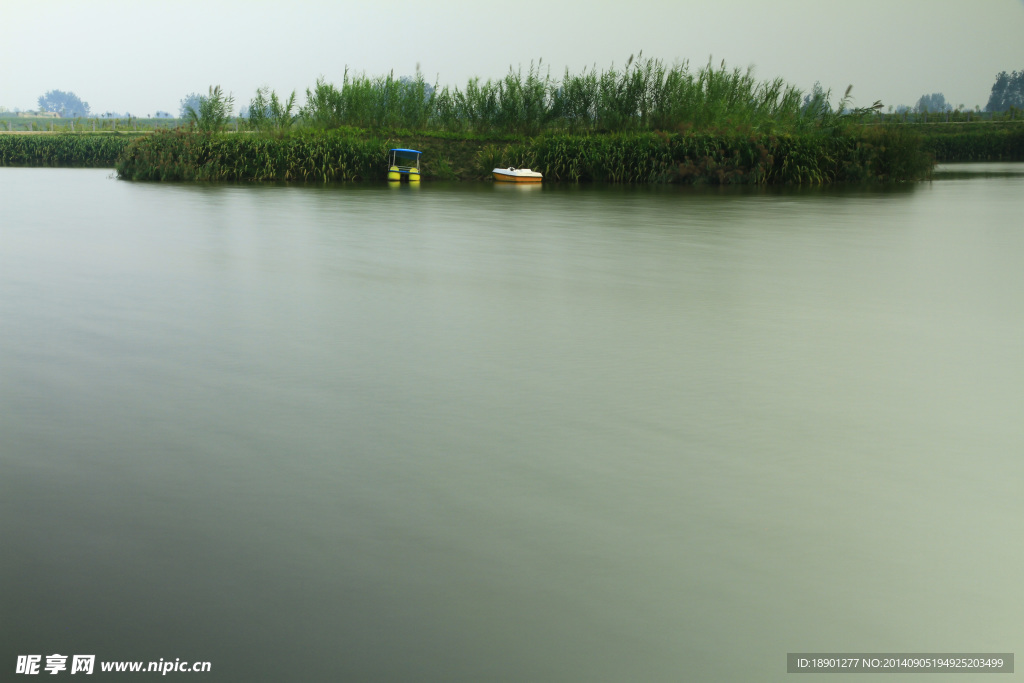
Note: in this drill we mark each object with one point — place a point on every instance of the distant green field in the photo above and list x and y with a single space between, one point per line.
17 124
980 141
1012 115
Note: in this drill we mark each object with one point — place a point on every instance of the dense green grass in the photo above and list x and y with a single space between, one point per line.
302 157
845 154
94 150
884 154
973 141
643 94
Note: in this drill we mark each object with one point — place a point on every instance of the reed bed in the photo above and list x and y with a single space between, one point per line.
301 157
644 122
644 94
361 101
879 154
974 142
851 154
68 150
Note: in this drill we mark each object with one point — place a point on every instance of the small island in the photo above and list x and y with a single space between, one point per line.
645 122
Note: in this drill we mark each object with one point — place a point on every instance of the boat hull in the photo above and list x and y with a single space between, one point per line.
517 176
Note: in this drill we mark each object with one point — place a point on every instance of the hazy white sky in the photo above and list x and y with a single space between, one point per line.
146 55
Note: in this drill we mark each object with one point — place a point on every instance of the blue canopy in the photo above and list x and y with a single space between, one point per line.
413 151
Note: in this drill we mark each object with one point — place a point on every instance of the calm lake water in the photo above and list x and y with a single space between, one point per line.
484 433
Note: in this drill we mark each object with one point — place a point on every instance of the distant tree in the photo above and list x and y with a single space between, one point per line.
64 103
162 115
190 101
935 102
1007 91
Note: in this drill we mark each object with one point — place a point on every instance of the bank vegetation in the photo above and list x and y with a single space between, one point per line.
644 122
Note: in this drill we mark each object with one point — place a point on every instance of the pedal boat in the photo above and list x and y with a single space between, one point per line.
404 164
517 175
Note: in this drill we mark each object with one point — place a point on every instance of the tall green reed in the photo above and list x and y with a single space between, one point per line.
644 94
63 149
267 112
214 111
307 156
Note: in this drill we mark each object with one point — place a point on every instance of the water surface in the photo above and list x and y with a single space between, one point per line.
470 432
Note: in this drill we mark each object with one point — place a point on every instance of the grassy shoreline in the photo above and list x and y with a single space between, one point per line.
887 154
854 154
642 121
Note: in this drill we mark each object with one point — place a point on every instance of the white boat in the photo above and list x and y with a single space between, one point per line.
517 175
